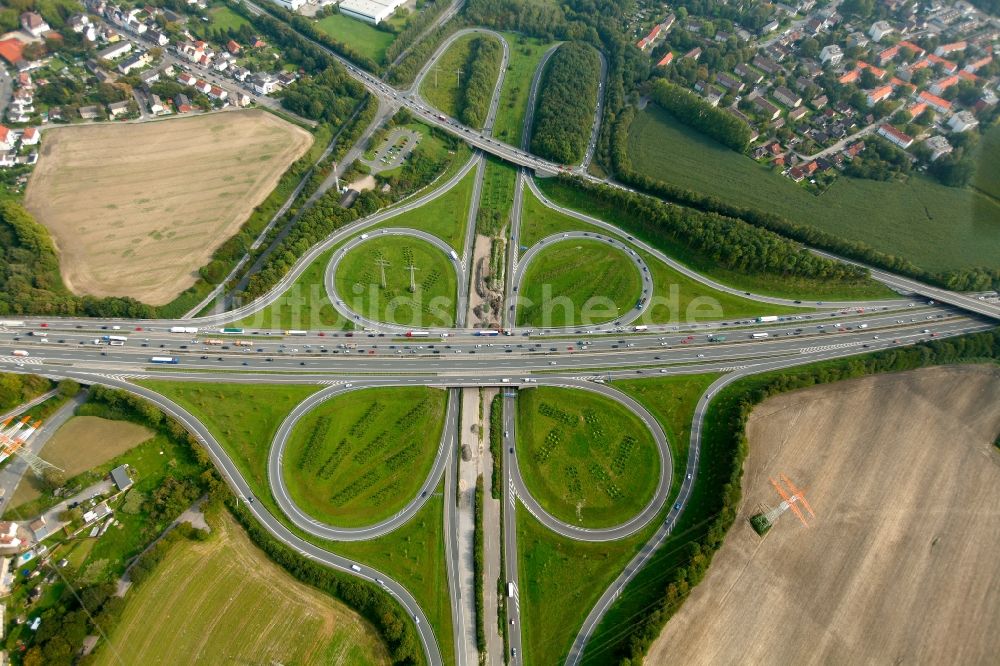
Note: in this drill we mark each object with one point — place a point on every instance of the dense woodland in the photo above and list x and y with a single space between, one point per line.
482 67
565 113
695 112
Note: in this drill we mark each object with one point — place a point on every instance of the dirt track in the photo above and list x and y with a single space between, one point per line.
899 564
136 209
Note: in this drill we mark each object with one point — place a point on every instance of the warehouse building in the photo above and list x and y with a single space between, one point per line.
370 11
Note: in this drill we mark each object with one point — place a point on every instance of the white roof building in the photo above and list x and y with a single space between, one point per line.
370 11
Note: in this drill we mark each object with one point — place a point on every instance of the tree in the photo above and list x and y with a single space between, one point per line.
68 388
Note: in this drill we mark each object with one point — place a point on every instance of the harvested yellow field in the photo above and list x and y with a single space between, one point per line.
136 209
80 444
224 602
898 566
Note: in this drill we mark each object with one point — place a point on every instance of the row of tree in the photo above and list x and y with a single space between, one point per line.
724 241
565 114
416 24
483 67
16 389
724 448
695 112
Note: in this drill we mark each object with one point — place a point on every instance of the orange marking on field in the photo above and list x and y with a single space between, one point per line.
801 495
790 501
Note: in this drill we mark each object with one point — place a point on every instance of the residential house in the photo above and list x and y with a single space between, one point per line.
156 106
879 30
186 79
7 138
879 94
831 55
787 97
729 83
916 109
768 110
196 52
947 65
797 113
183 103
877 72
33 24
770 26
916 50
88 112
203 86
263 84
766 64
30 136
941 85
935 102
713 95
855 149
157 38
893 135
978 63
888 54
819 102
849 77
962 121
115 50
134 61
215 92
694 53
233 47
150 76
938 146
857 40
242 99
954 47
748 73
116 109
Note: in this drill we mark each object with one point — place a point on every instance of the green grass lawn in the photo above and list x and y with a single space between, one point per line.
771 285
361 457
303 306
599 282
366 39
938 228
224 601
585 458
441 87
224 18
525 54
676 298
445 216
244 418
359 282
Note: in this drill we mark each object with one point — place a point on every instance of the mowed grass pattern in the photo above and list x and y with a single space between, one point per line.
599 282
586 459
223 601
359 282
938 228
444 217
361 457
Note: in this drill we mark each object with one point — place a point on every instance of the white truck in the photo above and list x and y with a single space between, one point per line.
764 320
183 329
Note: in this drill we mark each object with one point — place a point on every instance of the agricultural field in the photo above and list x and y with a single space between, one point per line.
586 459
600 284
81 443
141 223
894 529
538 221
444 217
360 274
223 600
359 458
441 87
525 54
938 228
366 39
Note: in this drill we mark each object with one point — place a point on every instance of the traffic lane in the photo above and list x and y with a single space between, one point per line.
510 528
301 519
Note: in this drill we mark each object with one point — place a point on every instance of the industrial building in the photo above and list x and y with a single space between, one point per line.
370 11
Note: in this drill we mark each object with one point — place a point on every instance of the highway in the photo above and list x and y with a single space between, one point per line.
513 591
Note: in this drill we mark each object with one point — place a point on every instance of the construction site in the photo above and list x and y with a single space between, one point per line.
874 497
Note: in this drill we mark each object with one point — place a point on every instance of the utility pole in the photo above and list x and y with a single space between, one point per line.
458 73
436 70
413 284
382 263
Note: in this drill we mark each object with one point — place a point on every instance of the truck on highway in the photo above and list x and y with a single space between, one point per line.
21 352
764 320
759 336
231 330
296 332
183 329
213 341
510 590
454 255
39 334
173 360
243 343
417 334
486 332
10 323
639 329
716 338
